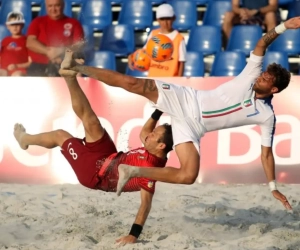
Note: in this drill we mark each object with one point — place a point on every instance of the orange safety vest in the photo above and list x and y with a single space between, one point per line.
167 68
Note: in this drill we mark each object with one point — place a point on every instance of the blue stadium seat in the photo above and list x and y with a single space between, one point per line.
67 9
276 57
198 2
75 2
201 2
205 39
103 59
296 5
16 5
115 2
157 2
36 1
244 38
3 32
228 63
136 73
215 12
118 39
288 42
293 9
137 13
96 13
194 64
284 2
89 42
186 14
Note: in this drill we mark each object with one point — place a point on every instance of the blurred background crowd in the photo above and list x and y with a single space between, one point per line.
210 37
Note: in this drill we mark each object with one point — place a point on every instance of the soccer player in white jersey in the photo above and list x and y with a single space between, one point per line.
194 112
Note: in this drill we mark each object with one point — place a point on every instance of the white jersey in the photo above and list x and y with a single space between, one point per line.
194 112
232 104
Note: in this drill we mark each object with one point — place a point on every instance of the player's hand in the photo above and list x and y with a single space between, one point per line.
11 66
293 23
129 239
279 196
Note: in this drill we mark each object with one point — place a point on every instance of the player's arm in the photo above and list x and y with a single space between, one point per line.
140 219
269 37
150 124
267 159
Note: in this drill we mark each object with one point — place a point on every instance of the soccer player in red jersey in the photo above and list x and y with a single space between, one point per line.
95 159
14 54
48 36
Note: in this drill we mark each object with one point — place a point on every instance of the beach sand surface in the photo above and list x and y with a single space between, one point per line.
199 216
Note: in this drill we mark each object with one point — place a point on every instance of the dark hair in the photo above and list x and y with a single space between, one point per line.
282 76
167 138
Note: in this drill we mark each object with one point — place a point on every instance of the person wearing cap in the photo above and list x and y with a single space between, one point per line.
165 16
48 36
14 54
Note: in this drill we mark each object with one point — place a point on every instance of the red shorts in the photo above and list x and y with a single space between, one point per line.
86 158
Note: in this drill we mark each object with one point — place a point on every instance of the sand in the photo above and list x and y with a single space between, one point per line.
200 216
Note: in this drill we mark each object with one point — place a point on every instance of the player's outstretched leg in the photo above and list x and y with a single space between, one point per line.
126 172
19 132
68 61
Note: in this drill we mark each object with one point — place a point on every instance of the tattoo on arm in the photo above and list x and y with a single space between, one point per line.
149 85
270 36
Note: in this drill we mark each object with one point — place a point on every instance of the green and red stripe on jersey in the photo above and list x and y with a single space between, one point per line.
226 111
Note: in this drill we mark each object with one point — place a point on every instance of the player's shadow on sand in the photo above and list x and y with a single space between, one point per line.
242 219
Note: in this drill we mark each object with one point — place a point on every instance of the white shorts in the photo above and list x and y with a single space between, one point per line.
182 105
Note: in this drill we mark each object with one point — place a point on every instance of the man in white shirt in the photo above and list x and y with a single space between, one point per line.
242 101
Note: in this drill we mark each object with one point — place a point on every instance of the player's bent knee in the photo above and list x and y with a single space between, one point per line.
62 135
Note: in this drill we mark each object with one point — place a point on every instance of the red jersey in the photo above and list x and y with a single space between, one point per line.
138 157
13 51
54 33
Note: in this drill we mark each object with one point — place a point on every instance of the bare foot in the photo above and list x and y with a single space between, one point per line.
126 172
19 132
68 61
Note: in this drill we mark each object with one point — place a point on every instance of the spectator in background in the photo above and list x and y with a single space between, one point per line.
48 36
14 54
261 12
165 16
